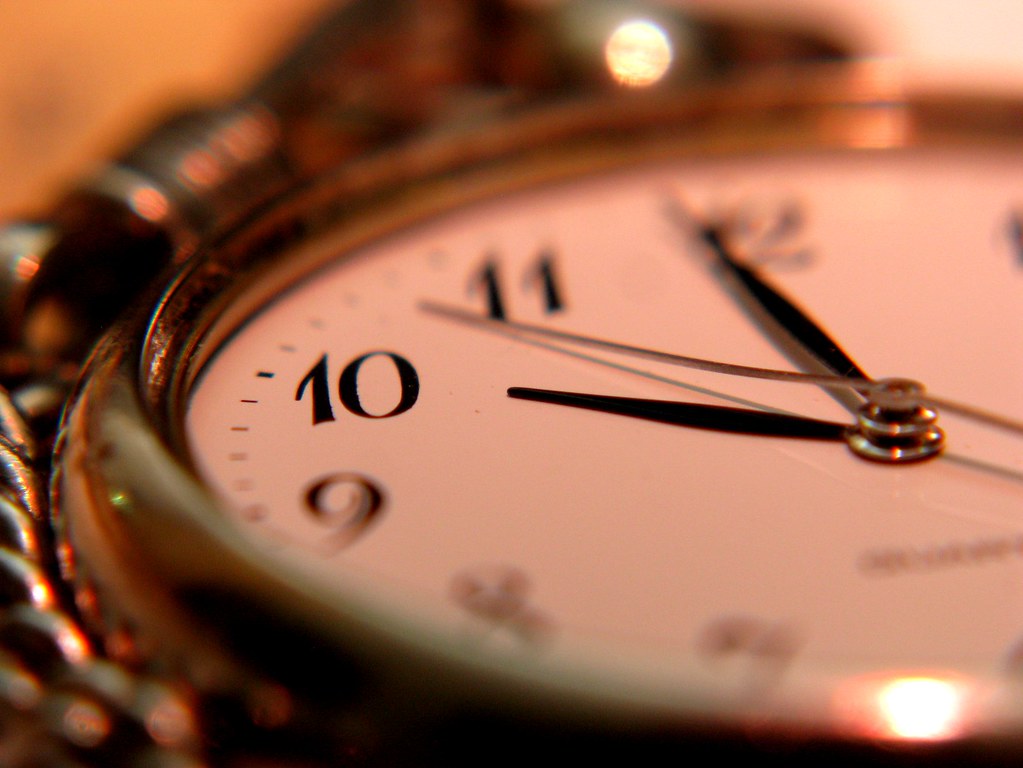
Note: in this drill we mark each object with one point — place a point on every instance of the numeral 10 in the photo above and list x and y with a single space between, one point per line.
317 382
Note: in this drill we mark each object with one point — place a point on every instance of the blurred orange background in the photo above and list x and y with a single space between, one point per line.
80 77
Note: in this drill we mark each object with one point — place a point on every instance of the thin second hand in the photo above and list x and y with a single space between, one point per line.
514 328
517 331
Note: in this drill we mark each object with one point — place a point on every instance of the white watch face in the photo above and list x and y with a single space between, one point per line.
358 434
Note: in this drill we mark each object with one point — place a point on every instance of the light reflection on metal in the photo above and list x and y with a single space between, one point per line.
882 81
85 724
885 127
26 266
200 169
921 708
171 723
239 142
638 53
40 594
149 204
73 645
25 244
918 708
247 138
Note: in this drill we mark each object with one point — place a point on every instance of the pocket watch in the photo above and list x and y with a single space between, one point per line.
498 380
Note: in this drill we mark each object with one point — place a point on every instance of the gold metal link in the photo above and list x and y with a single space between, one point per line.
18 530
47 641
20 689
20 481
14 427
60 705
23 582
133 704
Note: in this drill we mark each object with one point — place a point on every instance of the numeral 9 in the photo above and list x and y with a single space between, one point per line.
347 503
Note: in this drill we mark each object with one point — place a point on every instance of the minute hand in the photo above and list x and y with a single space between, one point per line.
796 322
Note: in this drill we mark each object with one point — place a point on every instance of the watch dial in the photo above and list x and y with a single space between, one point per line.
358 433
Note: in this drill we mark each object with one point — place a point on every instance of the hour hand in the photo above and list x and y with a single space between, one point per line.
712 417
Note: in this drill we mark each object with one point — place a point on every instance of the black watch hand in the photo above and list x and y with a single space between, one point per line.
713 417
794 321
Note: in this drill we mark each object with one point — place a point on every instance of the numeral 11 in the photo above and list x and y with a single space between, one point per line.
541 276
